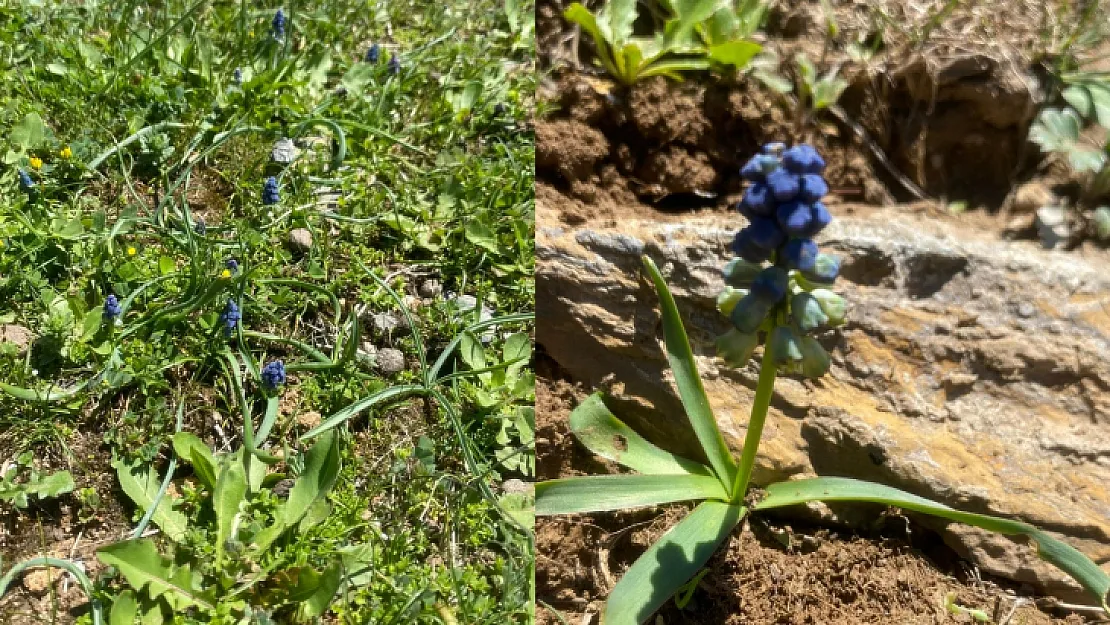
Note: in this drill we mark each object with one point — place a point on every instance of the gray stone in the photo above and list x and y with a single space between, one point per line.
300 240
430 288
939 385
16 335
390 361
284 151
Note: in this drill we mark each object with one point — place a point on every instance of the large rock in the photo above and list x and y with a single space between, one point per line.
972 371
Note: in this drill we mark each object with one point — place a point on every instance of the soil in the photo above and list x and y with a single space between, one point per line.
940 111
772 570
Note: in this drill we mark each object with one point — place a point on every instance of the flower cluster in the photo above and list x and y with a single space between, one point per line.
279 24
374 53
394 64
230 317
112 308
273 375
788 299
232 266
270 193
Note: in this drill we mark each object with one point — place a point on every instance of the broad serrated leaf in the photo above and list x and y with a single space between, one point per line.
189 447
735 53
143 567
124 609
29 132
231 489
141 484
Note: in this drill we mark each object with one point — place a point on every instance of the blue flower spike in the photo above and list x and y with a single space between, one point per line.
26 184
200 227
394 64
373 54
112 309
270 193
230 317
273 375
780 305
237 77
278 25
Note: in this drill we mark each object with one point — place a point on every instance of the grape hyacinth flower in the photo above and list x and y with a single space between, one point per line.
273 375
786 301
200 227
233 265
270 193
237 76
374 53
112 309
26 184
230 317
394 64
279 24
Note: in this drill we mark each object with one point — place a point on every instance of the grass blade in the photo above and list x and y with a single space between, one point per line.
607 436
688 381
671 562
1063 556
390 394
600 493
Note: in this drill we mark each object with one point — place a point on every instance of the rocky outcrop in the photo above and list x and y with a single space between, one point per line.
971 371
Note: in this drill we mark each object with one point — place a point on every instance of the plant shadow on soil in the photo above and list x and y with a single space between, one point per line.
771 571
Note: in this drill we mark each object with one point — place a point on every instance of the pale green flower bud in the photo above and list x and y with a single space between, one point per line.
785 346
728 298
832 304
748 314
815 360
807 312
735 347
740 273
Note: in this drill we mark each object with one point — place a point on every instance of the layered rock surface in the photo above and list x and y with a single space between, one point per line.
972 371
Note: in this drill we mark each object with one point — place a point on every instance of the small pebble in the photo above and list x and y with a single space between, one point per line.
300 240
390 361
430 288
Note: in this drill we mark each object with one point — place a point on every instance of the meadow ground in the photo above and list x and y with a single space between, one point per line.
153 451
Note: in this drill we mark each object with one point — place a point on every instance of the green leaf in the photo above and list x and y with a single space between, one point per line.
316 604
668 564
673 68
578 14
601 493
615 20
607 436
518 347
166 266
1055 130
141 484
688 381
481 236
1060 554
28 133
735 53
189 447
321 468
1101 219
231 489
124 609
381 397
143 567
1079 97
472 352
52 485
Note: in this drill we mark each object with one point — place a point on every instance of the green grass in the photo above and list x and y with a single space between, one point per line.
433 173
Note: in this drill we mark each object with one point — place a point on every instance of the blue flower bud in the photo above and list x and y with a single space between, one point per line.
800 254
736 347
813 188
278 24
803 159
112 308
770 285
806 312
745 248
815 360
784 185
374 53
748 314
785 347
25 182
757 201
237 76
270 193
273 375
819 218
394 64
832 304
740 273
824 271
233 266
200 227
796 218
765 233
758 166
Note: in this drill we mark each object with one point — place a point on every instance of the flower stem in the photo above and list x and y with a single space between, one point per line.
763 392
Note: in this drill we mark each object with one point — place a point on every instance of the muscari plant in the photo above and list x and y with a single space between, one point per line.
776 295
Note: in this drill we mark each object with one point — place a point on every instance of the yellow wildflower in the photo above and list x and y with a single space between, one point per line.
66 152
36 162
131 251
226 273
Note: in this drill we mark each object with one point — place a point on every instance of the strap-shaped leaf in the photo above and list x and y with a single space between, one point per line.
607 436
688 381
1063 556
671 562
580 15
602 493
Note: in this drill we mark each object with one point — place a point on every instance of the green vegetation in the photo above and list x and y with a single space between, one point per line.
158 277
